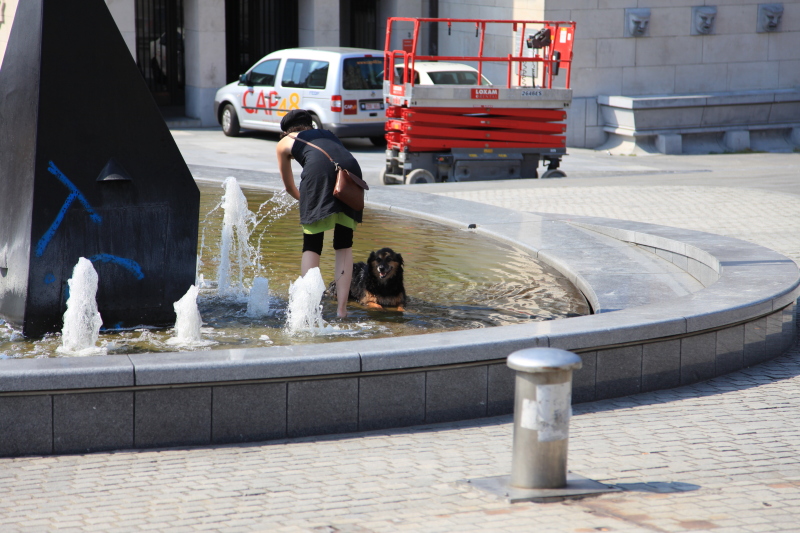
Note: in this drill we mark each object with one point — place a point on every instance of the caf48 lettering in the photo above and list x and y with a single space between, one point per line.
269 102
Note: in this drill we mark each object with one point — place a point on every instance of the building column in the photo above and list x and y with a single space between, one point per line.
319 23
736 140
7 10
204 45
669 143
124 14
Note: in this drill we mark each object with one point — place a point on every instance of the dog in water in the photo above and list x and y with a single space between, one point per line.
378 282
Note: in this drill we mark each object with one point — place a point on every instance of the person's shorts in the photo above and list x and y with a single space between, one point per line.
342 225
329 222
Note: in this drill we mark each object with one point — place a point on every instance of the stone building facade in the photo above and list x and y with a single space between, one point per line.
646 72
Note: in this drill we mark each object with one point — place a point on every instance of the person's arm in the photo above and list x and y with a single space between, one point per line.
284 152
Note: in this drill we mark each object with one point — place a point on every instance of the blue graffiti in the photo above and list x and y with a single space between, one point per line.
127 264
75 194
49 278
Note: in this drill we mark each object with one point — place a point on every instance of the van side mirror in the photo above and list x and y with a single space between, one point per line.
243 79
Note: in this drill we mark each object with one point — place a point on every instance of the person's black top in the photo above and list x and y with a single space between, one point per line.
319 175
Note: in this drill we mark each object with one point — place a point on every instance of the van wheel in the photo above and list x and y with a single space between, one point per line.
230 122
419 175
316 122
378 141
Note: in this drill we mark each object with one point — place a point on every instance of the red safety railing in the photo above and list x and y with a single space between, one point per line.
552 44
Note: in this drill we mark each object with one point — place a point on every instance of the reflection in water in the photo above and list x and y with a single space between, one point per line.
454 278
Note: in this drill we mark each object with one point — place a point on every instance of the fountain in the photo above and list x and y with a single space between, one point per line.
81 320
258 299
237 225
188 321
687 306
458 287
656 338
305 312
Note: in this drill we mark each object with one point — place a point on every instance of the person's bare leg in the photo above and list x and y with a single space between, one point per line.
343 275
309 261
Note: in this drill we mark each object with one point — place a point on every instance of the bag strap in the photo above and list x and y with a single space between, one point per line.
317 147
361 183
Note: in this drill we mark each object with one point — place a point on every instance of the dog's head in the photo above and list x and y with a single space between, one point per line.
385 264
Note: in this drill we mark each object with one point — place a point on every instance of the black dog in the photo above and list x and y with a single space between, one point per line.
379 281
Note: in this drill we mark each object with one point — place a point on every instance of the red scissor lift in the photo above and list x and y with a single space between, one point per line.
471 132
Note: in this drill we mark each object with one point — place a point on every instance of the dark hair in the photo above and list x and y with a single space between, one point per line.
296 128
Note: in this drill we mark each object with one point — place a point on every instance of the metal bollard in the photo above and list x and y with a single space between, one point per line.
542 409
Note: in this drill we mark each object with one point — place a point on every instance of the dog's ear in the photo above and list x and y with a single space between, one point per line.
398 258
372 257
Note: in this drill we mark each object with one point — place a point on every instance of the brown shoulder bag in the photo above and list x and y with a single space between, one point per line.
349 187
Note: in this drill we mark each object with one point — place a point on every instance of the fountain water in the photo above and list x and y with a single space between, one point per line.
258 301
188 321
305 312
466 282
81 320
237 224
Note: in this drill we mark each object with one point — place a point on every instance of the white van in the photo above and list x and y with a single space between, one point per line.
341 87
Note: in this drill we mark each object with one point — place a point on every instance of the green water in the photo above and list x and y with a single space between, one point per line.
455 280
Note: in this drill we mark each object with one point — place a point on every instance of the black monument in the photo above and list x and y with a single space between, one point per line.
88 168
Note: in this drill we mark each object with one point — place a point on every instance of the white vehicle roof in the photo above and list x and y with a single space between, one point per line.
439 66
424 69
322 51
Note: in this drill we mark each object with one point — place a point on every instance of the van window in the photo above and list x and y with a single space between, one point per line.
264 73
305 74
399 76
363 73
457 77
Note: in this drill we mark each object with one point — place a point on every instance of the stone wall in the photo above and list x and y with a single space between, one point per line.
669 59
204 43
672 57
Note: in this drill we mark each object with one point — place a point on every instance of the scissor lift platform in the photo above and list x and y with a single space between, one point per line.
472 132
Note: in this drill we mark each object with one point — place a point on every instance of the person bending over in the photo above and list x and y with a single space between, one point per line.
319 210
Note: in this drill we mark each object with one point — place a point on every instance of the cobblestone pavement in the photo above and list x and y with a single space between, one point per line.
720 455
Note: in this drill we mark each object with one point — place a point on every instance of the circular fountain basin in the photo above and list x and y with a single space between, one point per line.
672 307
455 279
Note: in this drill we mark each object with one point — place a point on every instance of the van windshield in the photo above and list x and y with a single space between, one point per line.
363 73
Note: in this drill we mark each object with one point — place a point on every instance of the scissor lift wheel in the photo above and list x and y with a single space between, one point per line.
386 179
419 175
554 173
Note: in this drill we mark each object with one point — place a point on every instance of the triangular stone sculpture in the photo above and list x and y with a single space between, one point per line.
75 110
